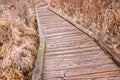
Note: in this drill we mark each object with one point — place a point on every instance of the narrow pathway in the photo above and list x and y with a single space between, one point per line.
72 55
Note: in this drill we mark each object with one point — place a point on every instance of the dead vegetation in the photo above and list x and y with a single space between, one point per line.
99 16
18 39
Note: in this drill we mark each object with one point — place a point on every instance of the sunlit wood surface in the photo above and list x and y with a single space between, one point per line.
72 55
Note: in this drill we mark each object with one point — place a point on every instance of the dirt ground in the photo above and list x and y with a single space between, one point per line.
18 39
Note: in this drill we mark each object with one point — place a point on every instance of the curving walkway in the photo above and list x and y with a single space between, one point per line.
70 54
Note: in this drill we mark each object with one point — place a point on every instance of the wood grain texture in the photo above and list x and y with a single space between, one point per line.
70 53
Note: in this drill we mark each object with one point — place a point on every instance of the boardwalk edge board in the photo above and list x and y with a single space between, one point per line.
114 55
37 72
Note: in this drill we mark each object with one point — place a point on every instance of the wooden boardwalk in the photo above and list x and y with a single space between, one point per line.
70 54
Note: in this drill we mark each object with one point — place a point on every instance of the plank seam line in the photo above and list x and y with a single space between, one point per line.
66 77
97 73
106 64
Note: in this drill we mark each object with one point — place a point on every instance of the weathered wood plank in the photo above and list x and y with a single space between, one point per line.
96 76
81 70
66 38
55 64
60 47
37 73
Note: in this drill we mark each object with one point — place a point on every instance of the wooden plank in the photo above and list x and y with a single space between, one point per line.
67 38
37 73
71 34
54 47
53 26
71 40
67 32
72 48
92 69
81 71
67 63
51 19
96 76
113 75
60 29
73 51
84 53
105 78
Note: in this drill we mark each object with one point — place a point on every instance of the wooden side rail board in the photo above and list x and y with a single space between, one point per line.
114 55
37 73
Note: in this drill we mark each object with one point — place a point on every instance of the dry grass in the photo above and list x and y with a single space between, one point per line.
100 16
18 39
